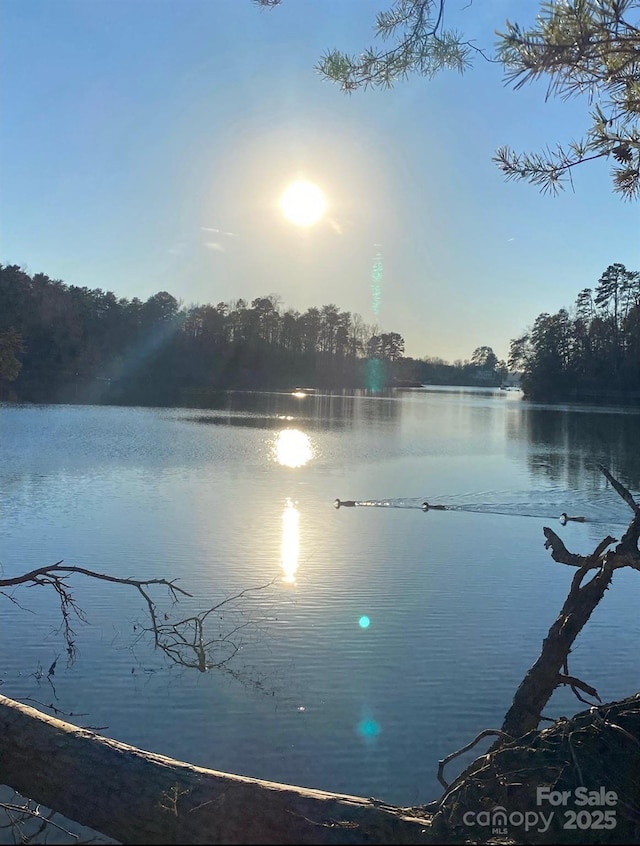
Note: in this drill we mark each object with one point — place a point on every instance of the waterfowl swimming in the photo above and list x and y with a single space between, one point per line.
564 519
345 503
427 507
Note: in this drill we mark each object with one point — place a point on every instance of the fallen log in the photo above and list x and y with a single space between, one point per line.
140 797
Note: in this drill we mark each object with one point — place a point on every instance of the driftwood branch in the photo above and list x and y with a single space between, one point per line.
629 542
545 675
561 554
573 682
442 763
542 679
138 797
559 551
620 489
628 546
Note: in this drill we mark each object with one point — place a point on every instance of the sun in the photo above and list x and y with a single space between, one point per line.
303 203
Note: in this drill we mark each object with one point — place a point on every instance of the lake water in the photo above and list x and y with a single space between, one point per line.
389 637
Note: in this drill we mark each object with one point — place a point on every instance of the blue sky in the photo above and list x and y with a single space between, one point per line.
133 128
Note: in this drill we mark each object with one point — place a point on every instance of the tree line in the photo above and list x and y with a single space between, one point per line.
483 369
70 343
67 343
589 352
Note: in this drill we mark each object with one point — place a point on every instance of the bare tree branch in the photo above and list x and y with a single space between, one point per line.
544 676
580 685
486 733
620 489
185 641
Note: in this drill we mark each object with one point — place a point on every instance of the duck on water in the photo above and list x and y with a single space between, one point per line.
564 519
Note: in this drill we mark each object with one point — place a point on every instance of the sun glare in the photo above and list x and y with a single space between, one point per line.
303 203
292 448
290 541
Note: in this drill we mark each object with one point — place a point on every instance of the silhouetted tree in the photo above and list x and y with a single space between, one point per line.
81 344
595 352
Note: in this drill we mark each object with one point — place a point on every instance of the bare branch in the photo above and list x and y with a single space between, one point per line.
580 685
620 489
486 733
15 601
184 642
561 554
52 707
56 568
559 551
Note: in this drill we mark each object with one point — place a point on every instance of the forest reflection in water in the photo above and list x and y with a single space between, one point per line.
566 444
325 411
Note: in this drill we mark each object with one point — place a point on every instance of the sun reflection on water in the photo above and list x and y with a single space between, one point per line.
290 541
293 448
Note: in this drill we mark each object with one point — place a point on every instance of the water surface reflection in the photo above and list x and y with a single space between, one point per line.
322 411
292 448
290 541
364 631
566 444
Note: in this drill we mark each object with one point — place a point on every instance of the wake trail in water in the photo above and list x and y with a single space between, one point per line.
535 510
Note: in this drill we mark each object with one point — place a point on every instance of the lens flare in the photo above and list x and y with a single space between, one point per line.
376 281
369 729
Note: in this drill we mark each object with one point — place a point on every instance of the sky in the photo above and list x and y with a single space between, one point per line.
145 144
